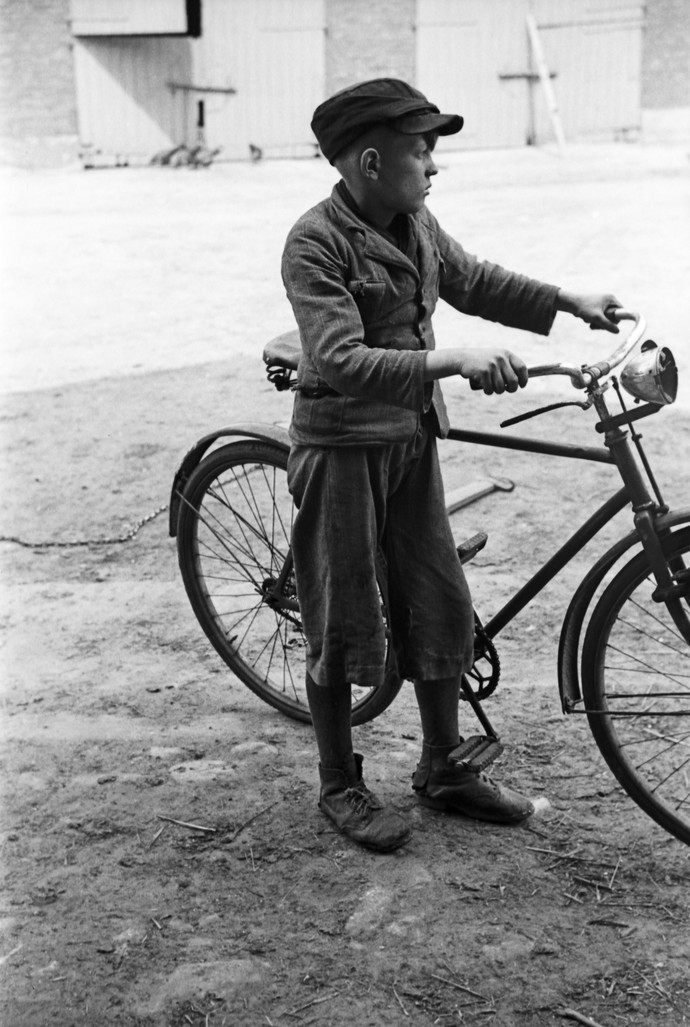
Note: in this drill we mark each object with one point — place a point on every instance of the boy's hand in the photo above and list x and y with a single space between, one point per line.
493 370
594 309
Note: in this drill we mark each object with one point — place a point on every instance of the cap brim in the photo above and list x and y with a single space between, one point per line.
417 124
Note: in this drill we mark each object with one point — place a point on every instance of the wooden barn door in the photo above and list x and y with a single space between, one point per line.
272 52
468 52
475 57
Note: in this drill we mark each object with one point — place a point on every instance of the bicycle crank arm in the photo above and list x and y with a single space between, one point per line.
466 494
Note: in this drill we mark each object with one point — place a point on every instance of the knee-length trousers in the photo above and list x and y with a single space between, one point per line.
355 501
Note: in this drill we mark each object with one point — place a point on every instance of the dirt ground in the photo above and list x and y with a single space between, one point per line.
137 305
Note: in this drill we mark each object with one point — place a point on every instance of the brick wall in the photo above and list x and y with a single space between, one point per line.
38 120
666 54
369 38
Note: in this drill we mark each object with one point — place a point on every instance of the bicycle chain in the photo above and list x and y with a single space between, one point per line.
112 541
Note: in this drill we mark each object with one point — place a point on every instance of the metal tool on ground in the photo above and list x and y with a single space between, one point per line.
473 490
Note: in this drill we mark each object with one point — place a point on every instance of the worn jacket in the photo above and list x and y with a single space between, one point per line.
363 309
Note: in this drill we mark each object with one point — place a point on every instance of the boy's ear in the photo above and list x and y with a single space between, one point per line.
369 162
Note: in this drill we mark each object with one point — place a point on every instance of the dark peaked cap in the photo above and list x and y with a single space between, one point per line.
342 118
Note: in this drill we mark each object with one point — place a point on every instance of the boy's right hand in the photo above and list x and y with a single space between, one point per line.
493 371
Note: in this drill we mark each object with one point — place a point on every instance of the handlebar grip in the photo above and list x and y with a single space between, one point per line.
603 367
540 370
620 314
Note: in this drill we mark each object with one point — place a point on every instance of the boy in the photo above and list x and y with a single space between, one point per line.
363 271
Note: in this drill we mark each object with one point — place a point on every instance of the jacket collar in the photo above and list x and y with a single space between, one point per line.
373 243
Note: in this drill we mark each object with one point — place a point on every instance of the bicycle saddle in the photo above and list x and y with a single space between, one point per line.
284 350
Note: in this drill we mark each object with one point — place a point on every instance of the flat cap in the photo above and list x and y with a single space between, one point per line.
344 117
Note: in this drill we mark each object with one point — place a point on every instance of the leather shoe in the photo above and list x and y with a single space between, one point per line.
357 812
443 785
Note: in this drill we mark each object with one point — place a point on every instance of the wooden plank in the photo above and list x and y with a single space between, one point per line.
545 79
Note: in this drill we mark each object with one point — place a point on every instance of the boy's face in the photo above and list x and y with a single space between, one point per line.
405 171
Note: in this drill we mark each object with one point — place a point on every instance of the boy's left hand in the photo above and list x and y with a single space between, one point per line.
595 310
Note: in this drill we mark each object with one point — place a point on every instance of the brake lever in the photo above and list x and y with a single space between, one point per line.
583 404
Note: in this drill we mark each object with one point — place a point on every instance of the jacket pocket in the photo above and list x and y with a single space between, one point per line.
322 417
369 295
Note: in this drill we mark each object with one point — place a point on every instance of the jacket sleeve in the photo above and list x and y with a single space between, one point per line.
489 291
315 274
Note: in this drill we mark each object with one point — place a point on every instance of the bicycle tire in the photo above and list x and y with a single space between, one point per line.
636 688
233 539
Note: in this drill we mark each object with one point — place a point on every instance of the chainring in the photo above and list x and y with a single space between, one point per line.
486 669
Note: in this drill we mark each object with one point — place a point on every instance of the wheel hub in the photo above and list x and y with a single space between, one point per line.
280 600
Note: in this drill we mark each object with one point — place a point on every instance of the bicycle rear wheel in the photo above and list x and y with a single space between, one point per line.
636 687
233 542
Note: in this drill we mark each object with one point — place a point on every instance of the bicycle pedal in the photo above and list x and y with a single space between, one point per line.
476 753
471 546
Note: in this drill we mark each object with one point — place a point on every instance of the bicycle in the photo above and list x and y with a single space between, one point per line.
624 643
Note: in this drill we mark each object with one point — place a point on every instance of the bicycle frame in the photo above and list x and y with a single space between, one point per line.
651 522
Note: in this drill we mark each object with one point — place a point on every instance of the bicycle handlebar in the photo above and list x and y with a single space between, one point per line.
584 376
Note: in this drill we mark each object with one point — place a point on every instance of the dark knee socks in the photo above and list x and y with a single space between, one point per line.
438 710
330 710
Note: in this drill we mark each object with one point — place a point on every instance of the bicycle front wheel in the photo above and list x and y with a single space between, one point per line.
636 687
233 543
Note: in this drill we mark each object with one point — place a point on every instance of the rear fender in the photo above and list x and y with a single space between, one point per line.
246 430
569 644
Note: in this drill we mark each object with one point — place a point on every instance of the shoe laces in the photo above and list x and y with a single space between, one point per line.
489 782
361 799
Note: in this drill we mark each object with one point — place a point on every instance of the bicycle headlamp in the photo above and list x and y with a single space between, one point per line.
652 375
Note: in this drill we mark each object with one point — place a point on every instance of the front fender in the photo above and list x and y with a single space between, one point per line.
247 429
569 644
